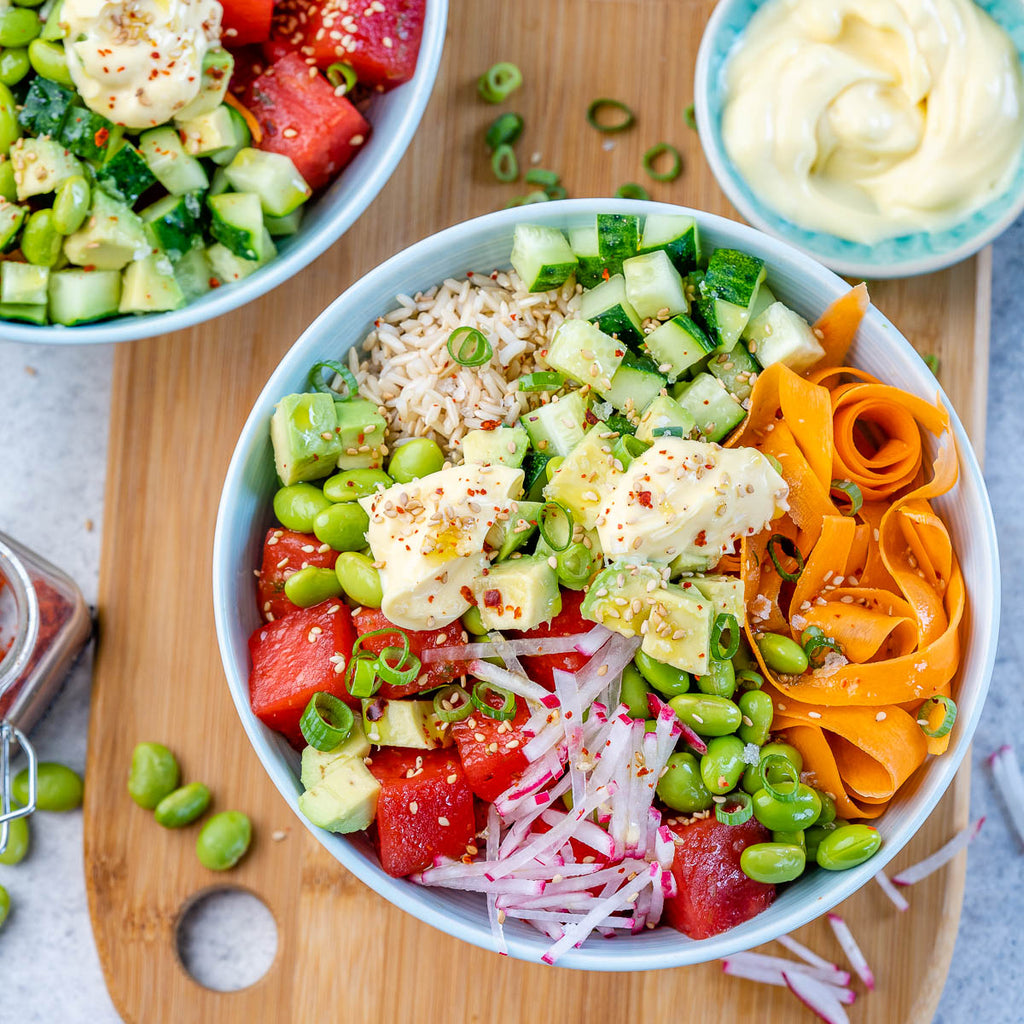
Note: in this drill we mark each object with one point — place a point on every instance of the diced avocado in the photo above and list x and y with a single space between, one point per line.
679 630
271 176
12 217
667 415
779 335
317 763
79 296
209 133
607 306
557 427
714 411
111 237
505 445
174 222
227 267
52 28
736 369
218 65
541 257
345 800
126 175
361 430
304 431
635 385
610 598
41 166
677 345
511 534
654 286
687 562
193 272
724 592
729 292
518 594
23 283
403 723
85 133
586 474
149 286
583 351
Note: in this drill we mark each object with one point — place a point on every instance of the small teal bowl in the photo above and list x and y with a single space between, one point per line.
394 116
918 253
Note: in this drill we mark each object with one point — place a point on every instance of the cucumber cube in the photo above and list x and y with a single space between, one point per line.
713 410
779 335
23 283
174 222
736 369
46 105
618 236
729 292
664 414
581 350
79 296
677 235
85 133
279 227
607 306
111 237
30 314
209 133
12 217
541 257
126 175
272 177
557 427
504 445
678 344
654 286
635 385
228 267
193 272
583 242
237 222
173 167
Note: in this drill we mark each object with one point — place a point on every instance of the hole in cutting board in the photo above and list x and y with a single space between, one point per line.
226 939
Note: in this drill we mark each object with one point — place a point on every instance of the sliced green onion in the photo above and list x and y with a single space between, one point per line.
725 623
631 190
777 762
924 714
318 383
504 163
397 667
669 432
748 679
575 565
483 695
498 82
852 492
789 549
555 523
931 360
452 704
604 106
541 380
743 808
655 153
361 676
504 130
539 176
690 116
815 644
359 652
554 192
342 76
468 347
326 722
535 197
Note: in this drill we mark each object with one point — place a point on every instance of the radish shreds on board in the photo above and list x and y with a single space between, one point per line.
853 952
817 997
940 857
890 890
1007 776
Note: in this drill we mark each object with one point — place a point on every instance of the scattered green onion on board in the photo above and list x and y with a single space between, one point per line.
600 110
540 176
504 163
852 493
655 154
326 722
931 360
317 382
342 76
504 130
554 192
631 190
498 82
690 117
483 696
468 347
789 549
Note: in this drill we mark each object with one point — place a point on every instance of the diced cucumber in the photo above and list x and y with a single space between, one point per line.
654 286
173 167
618 235
219 184
677 234
607 306
228 267
111 237
12 217
714 412
779 335
535 473
41 166
664 414
583 242
272 177
45 107
581 350
79 296
242 135
174 222
193 272
557 427
736 369
85 133
728 293
237 222
29 314
211 133
218 65
23 283
126 175
635 385
541 257
148 286
764 298
287 225
677 345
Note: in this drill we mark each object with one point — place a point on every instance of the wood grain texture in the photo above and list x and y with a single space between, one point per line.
178 405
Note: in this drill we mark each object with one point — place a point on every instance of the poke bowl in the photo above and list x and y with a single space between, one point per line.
253 529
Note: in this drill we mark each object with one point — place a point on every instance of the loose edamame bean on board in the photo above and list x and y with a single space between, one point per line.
40 240
17 841
58 788
355 483
183 806
707 715
787 816
18 27
634 692
5 905
847 846
297 505
14 66
719 680
311 585
223 840
782 654
681 787
757 709
153 775
773 863
342 525
722 766
71 205
359 579
416 458
50 61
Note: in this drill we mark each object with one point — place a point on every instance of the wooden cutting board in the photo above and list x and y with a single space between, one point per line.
178 405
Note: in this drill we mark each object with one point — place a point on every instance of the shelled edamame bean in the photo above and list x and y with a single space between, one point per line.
773 863
719 680
359 579
311 585
9 129
5 905
183 806
664 678
19 26
58 788
782 654
154 774
414 459
71 205
49 60
681 787
297 505
342 525
17 841
847 846
722 766
354 484
223 840
634 691
14 65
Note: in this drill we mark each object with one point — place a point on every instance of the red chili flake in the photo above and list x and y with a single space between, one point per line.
701 539
213 282
490 424
467 594
604 273
644 498
101 137
590 418
492 598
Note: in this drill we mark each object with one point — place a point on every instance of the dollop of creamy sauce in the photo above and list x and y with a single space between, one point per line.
870 119
138 62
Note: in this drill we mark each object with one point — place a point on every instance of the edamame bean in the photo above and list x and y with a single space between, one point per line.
5 905
355 483
757 710
14 66
311 585
752 781
782 654
828 809
40 240
719 680
707 715
634 692
847 846
49 61
18 27
154 774
8 186
9 128
791 838
664 678
297 505
788 751
183 806
787 816
722 766
359 579
681 787
472 622
71 205
343 526
773 863
17 841
58 788
814 835
416 458
223 840
35 3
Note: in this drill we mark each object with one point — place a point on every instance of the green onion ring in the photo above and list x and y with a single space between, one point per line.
853 494
655 153
452 704
542 177
342 75
361 677
504 130
326 722
744 812
359 652
668 432
725 623
554 192
468 347
690 116
316 380
604 104
498 82
931 360
748 679
504 163
483 692
924 714
575 565
556 523
814 647
541 380
792 552
631 190
537 196
777 761
403 671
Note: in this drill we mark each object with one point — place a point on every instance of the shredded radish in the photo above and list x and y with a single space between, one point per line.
1007 776
503 649
572 723
527 648
554 915
517 684
890 890
829 975
590 643
739 967
817 997
805 954
853 952
491 853
940 857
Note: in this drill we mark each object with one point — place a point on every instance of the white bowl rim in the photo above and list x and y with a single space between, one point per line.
728 178
327 230
613 956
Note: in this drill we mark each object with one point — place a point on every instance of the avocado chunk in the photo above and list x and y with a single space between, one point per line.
149 286
724 592
304 431
688 562
403 723
41 166
317 763
506 445
345 799
361 430
518 594
666 415
511 534
586 475
111 238
679 630
612 597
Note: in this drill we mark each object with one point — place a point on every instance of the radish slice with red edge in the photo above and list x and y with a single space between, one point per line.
816 996
494 917
853 952
738 966
805 954
890 890
940 857
590 643
831 975
1007 777
517 684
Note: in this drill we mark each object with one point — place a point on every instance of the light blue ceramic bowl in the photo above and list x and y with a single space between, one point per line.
394 115
918 253
483 244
